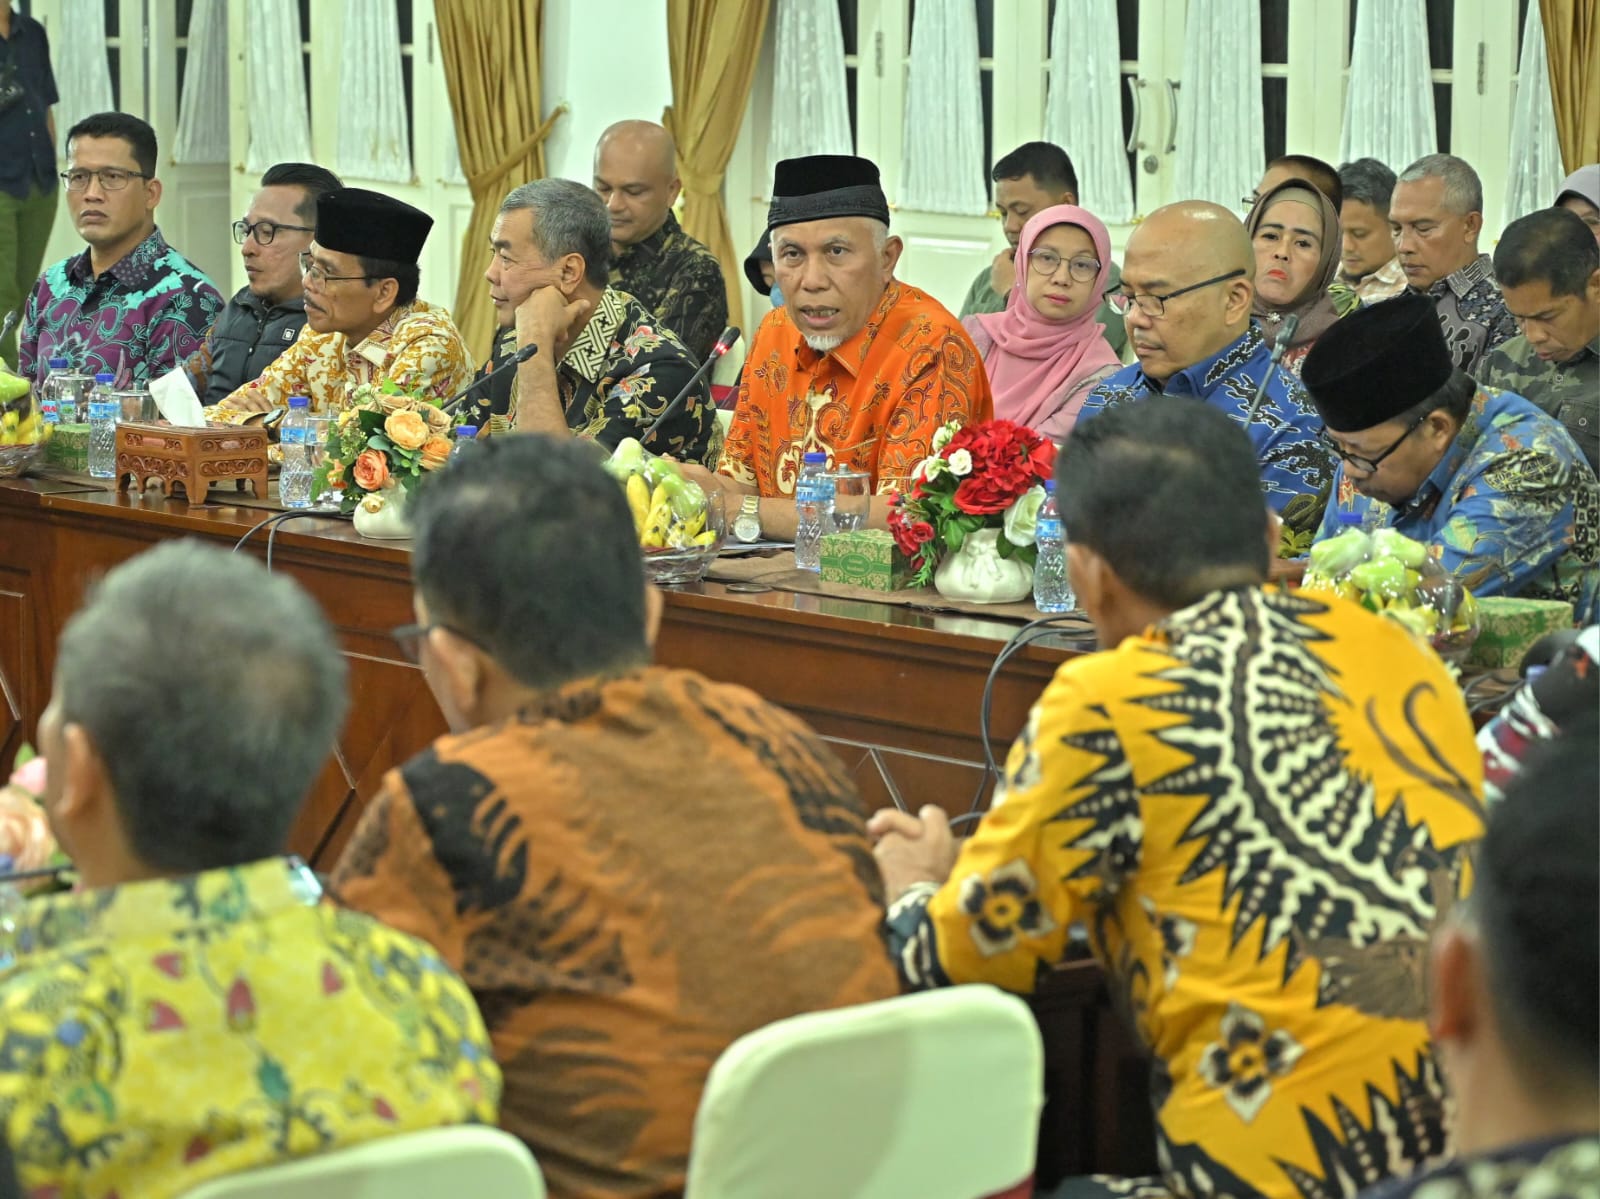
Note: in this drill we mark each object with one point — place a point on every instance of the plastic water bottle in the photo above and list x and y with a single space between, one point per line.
50 393
1051 590
69 391
464 437
104 411
294 479
813 511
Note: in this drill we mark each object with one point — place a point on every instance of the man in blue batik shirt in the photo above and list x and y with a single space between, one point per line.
1494 486
1187 284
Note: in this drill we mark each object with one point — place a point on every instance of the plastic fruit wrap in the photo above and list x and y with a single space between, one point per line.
1385 571
669 511
20 420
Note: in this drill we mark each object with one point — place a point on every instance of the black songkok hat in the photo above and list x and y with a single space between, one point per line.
822 186
1377 363
370 224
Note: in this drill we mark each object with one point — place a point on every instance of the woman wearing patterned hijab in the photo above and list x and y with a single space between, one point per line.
1295 231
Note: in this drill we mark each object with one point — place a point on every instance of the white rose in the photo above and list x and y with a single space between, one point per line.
960 464
942 436
929 467
1020 519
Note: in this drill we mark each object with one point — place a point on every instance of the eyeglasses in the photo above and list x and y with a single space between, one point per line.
1369 466
113 179
409 638
310 269
1249 201
1048 262
1122 302
263 231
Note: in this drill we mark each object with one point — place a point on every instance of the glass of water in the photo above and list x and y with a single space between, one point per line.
318 428
852 495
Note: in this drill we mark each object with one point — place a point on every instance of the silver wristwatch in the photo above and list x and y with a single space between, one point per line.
747 525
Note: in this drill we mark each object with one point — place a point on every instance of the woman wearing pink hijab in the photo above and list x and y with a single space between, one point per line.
1046 350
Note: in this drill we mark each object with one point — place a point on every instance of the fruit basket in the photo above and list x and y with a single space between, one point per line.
22 427
680 527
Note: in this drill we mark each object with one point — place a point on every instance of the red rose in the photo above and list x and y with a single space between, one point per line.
983 496
900 529
921 533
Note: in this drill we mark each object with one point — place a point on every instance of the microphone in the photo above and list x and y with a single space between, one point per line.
729 338
1279 345
517 359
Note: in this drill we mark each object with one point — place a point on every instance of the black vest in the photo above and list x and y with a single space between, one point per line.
247 336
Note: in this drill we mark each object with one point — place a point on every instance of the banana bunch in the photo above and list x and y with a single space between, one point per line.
669 511
1387 572
20 422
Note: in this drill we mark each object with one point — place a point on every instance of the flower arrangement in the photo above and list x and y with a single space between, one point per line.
385 439
26 842
984 476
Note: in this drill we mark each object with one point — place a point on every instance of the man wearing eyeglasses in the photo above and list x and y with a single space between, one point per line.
266 315
1496 487
129 304
1188 279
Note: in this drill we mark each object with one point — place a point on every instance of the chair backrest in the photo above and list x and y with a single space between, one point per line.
465 1161
930 1096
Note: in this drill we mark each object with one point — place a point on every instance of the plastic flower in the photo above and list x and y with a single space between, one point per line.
1020 518
371 470
942 436
435 452
960 463
930 468
406 429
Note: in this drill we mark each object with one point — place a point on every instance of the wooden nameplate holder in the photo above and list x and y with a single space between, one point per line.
192 458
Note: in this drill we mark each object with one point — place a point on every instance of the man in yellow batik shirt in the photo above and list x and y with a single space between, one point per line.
364 323
196 1009
1257 803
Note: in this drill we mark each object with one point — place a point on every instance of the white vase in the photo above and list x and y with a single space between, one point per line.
382 515
978 574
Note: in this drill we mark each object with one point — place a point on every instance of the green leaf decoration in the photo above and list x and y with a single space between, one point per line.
380 442
1003 547
954 535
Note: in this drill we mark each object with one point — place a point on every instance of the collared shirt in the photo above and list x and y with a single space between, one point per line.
982 299
1252 863
1284 432
1562 1167
417 347
616 378
1472 313
159 1034
679 281
1385 283
27 158
1511 509
247 335
872 404
617 947
1568 391
140 318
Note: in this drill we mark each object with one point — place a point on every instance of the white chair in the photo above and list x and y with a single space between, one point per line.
467 1161
930 1096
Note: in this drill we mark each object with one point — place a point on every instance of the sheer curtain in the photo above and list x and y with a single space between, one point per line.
810 106
1535 150
280 124
373 141
1084 112
943 169
83 72
1219 133
202 110
1388 111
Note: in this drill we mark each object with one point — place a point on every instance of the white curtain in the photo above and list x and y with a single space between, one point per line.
1388 107
280 124
1535 155
374 142
810 106
943 169
203 107
1221 145
1084 112
82 69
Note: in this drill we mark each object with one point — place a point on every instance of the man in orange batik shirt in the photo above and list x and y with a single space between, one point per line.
855 364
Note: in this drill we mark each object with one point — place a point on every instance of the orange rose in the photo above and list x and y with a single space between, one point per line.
371 470
407 430
438 419
434 452
336 474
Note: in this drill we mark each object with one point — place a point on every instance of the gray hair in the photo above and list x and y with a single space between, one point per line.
568 218
212 691
1463 190
1368 181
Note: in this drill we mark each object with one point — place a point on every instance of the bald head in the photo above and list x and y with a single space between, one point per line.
635 173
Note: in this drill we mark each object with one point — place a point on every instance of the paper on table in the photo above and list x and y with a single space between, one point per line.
174 396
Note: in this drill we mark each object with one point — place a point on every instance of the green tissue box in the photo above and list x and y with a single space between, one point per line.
1509 627
68 448
865 558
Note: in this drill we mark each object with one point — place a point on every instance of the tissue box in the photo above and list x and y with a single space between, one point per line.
865 558
68 448
1509 627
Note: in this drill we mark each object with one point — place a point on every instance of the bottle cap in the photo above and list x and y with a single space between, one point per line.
1049 486
466 432
299 402
105 377
1350 518
815 457
59 364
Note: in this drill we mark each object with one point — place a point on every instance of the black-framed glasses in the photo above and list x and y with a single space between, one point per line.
409 638
1369 466
1249 201
1047 262
1150 304
310 269
263 231
113 179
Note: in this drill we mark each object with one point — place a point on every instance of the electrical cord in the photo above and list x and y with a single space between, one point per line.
276 519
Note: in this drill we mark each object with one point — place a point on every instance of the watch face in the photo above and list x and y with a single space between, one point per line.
747 528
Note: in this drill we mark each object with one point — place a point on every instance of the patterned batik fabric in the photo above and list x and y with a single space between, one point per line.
1385 283
1293 460
1568 391
615 381
870 407
1511 509
679 282
1472 313
138 319
417 347
630 876
1259 808
1562 697
159 1034
1565 1167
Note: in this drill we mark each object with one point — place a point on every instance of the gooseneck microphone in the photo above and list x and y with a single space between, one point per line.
726 342
516 360
1279 345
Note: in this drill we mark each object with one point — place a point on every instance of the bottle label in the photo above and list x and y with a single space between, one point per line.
103 410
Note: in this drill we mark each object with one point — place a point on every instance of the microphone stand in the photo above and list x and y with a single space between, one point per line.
1279 345
516 360
726 342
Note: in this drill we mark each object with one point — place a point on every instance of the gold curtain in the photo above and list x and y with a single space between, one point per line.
713 46
490 50
1572 46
